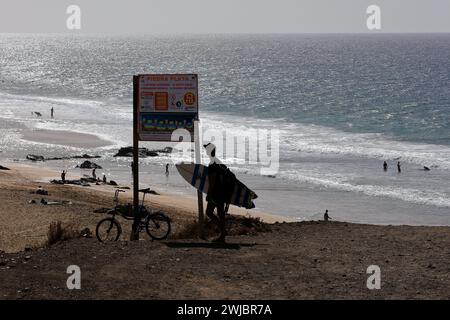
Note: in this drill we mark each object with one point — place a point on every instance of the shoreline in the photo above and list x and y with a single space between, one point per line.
64 138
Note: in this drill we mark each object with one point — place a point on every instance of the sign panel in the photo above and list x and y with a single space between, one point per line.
166 102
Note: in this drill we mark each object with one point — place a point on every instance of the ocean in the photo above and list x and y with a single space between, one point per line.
343 104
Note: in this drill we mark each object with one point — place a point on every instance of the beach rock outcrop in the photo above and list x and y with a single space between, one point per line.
85 156
34 157
89 165
4 168
143 152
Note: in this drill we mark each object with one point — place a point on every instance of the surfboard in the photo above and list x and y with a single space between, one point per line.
197 176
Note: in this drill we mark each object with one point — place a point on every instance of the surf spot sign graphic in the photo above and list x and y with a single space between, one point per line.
166 102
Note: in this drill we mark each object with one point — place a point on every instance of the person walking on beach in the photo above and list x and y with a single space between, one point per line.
63 176
385 166
93 174
399 167
167 169
326 217
220 180
51 112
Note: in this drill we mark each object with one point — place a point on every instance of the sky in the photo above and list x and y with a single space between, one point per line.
224 16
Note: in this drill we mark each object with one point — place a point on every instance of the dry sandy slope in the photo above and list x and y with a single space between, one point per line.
293 261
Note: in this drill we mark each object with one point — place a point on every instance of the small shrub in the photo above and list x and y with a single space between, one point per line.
235 226
57 233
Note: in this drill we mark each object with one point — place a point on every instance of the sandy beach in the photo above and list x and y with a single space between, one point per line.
65 138
25 225
309 260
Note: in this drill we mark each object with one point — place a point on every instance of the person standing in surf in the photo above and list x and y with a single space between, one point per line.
220 180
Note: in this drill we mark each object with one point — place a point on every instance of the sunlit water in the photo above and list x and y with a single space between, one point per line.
342 104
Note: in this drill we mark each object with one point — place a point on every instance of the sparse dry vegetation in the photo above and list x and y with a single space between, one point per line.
58 232
235 225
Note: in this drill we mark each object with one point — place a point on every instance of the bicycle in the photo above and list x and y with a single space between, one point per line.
156 223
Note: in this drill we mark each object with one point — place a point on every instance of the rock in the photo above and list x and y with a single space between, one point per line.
143 152
89 165
112 182
34 157
4 168
86 156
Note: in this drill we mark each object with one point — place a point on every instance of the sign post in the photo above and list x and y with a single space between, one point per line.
135 164
198 160
163 103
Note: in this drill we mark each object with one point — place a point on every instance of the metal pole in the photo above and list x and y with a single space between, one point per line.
198 160
135 230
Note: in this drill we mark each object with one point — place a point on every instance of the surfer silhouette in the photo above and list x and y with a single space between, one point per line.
220 180
385 166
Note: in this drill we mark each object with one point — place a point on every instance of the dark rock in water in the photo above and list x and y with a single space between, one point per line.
4 168
426 168
86 156
89 165
143 152
34 157
112 182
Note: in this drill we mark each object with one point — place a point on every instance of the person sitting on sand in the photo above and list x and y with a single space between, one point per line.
41 191
63 176
326 217
220 180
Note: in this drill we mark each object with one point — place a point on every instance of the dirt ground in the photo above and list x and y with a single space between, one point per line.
308 260
293 261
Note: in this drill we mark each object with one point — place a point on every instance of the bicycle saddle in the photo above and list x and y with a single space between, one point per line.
145 190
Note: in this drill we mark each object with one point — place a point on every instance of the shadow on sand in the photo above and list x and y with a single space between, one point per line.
209 245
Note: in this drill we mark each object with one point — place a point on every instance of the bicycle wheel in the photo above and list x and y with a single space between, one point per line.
108 229
158 226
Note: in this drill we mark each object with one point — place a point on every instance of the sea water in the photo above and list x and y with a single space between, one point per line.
343 104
